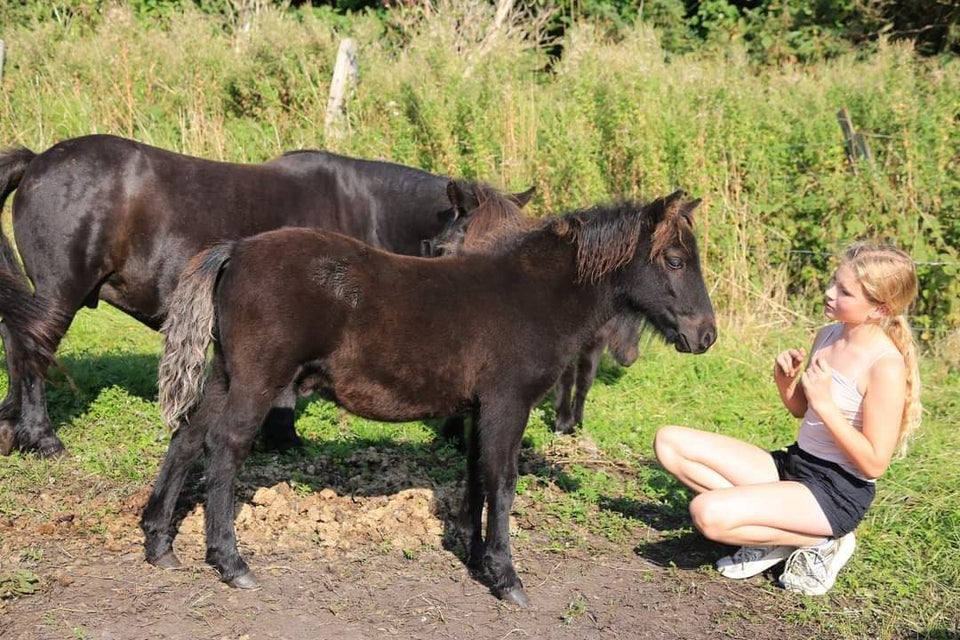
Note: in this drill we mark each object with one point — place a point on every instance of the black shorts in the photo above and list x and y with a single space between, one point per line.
843 496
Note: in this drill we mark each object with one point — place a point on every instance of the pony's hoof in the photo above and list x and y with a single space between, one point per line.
52 448
8 437
245 581
166 561
565 428
515 596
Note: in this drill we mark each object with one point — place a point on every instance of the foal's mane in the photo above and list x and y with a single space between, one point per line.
608 237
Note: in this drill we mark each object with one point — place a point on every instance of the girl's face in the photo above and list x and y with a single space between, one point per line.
846 301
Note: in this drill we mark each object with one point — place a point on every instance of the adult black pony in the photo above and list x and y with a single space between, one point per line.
101 217
398 338
482 222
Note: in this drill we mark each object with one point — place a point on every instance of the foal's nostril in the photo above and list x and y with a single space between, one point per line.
707 338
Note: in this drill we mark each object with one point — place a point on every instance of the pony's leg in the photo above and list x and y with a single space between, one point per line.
25 407
563 415
471 509
185 447
278 432
501 429
228 444
10 407
586 373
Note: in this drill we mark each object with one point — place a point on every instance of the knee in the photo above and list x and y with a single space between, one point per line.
666 445
710 516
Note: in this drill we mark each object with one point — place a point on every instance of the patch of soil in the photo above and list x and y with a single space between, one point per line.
366 555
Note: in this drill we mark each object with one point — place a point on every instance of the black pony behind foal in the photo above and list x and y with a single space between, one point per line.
397 338
104 218
483 221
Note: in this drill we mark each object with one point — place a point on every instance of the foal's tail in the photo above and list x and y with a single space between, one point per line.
29 318
187 332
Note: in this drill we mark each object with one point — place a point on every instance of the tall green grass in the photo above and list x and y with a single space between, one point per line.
608 119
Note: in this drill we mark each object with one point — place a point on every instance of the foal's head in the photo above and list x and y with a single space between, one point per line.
481 215
650 254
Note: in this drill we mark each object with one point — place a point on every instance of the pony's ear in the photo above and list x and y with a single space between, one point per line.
463 197
522 199
455 195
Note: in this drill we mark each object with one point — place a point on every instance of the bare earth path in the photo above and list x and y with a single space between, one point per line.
336 564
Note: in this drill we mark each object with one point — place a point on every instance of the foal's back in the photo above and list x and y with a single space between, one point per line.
420 335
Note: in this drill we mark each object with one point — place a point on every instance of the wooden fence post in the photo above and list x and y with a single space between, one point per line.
857 146
345 73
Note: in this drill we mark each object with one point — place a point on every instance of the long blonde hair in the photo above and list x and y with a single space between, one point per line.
889 279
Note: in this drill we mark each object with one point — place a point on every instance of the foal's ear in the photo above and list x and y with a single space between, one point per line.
662 207
687 209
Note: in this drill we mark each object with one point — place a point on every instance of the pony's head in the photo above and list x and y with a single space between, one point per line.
480 215
650 254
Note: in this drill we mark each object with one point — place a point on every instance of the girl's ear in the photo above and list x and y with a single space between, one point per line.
881 311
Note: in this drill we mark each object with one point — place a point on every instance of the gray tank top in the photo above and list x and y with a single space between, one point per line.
814 437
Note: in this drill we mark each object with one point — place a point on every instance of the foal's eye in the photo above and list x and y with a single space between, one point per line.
674 262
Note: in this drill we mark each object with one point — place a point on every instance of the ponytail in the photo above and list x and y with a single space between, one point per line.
898 330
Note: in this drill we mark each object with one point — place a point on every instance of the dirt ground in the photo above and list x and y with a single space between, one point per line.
358 555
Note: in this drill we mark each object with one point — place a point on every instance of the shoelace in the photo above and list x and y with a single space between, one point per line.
749 554
810 562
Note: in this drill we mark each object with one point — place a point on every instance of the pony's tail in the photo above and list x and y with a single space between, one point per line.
29 318
187 332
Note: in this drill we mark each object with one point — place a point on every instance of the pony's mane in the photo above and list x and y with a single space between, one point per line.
496 217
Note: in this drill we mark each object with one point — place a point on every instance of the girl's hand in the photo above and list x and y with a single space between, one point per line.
816 382
788 364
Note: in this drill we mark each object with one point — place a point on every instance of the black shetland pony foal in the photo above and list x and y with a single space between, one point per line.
397 338
105 218
481 222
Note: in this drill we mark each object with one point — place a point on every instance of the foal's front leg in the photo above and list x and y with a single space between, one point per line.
501 428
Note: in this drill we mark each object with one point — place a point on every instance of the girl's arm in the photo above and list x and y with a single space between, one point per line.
883 402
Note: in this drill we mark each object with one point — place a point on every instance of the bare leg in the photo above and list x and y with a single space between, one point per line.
741 500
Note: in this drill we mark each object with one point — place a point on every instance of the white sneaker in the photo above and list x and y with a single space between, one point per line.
752 561
813 570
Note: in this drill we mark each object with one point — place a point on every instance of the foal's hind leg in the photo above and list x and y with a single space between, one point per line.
471 509
185 447
228 444
278 432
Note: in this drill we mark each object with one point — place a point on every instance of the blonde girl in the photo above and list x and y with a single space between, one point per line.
859 400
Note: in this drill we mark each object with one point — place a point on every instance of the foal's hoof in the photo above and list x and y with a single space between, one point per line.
245 581
515 596
166 561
